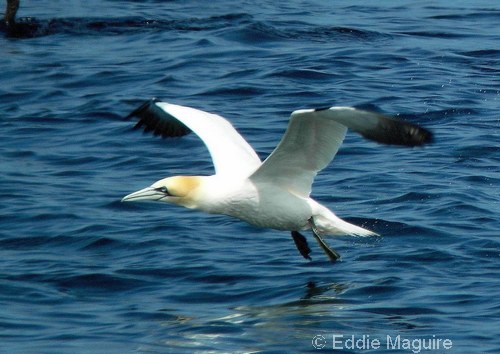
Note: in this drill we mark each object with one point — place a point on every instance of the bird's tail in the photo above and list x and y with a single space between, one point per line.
330 224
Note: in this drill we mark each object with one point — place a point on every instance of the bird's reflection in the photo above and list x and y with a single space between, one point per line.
314 291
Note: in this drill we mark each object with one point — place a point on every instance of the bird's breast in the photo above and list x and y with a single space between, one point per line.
265 206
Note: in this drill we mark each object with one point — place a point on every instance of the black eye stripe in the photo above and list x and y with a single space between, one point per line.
162 190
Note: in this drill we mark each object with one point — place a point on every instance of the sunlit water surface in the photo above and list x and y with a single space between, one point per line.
82 272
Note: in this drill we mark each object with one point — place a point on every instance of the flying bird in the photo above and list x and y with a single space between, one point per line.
274 193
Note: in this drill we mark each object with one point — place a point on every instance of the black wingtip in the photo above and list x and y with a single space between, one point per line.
420 135
409 134
156 120
142 108
396 132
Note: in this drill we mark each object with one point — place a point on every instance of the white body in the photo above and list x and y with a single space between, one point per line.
274 193
267 205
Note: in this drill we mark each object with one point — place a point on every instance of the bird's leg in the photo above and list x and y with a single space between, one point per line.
330 252
301 243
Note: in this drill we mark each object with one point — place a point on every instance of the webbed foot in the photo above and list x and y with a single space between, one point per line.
301 243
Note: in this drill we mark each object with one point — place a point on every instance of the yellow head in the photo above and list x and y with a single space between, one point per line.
177 190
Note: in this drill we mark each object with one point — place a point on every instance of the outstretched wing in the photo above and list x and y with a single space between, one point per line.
313 137
230 153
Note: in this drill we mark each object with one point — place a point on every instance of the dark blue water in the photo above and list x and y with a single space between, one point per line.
82 272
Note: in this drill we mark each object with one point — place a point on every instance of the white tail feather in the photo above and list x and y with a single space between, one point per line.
330 224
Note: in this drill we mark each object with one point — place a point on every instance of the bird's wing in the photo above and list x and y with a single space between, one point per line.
231 154
314 136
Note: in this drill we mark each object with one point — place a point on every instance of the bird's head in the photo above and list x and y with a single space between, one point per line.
177 190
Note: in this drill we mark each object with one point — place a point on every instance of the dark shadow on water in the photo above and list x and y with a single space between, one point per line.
314 290
310 303
30 27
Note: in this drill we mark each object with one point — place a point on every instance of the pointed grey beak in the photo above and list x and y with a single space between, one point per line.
148 193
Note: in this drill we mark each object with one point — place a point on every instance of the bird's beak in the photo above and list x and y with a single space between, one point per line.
148 193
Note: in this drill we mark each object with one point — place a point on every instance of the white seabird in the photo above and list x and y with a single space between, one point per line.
274 193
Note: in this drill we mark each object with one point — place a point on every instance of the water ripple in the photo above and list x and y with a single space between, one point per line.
82 271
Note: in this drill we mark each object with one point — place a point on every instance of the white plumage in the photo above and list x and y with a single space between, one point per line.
274 193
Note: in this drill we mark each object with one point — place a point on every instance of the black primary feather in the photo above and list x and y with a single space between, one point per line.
154 119
392 131
397 132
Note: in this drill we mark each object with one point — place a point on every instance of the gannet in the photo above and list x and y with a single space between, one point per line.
275 193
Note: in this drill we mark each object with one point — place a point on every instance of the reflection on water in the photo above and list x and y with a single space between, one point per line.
256 326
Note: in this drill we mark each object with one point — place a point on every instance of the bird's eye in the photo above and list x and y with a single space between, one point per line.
163 190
